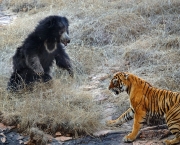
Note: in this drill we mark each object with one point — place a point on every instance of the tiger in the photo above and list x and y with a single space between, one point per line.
146 100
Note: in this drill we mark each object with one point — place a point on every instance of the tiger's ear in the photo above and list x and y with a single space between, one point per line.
126 76
115 81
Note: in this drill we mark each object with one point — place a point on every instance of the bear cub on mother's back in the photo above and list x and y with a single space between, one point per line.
32 60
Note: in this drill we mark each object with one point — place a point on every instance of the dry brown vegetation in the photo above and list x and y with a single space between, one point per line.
139 36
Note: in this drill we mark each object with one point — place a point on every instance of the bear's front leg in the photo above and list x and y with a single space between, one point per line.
70 70
64 62
138 119
33 62
15 82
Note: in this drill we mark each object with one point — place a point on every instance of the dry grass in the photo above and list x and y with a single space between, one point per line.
139 36
52 109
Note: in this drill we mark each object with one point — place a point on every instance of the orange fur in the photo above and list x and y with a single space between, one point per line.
146 100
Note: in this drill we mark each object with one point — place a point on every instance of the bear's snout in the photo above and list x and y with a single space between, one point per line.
65 38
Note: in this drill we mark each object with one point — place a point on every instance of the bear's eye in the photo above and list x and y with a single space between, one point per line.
61 31
60 25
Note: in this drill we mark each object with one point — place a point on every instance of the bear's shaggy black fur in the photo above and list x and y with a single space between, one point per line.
32 60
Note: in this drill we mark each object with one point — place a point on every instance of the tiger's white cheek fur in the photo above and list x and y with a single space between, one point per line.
132 109
115 91
123 88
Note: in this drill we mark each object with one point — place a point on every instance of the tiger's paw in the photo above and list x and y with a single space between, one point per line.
128 139
111 122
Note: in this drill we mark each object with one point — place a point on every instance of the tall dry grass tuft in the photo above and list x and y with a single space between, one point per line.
37 137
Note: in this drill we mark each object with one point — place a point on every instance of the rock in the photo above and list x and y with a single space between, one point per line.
153 142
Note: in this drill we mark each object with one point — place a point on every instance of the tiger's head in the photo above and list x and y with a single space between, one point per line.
119 83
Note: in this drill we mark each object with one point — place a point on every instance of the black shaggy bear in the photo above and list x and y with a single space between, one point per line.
32 60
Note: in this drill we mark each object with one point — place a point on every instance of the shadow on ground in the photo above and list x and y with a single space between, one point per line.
13 138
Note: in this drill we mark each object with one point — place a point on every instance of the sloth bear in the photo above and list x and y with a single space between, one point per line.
32 60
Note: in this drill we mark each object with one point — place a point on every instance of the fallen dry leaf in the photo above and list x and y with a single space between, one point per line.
58 134
18 126
49 140
11 127
63 138
50 137
3 127
68 135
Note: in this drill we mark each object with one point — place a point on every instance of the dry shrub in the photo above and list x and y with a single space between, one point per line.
28 6
11 119
15 33
154 7
136 57
118 28
37 137
166 44
57 109
126 25
86 58
168 80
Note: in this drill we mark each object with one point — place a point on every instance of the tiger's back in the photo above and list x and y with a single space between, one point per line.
146 100
160 101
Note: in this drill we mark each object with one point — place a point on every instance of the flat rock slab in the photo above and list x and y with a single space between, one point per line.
13 138
109 139
8 137
5 18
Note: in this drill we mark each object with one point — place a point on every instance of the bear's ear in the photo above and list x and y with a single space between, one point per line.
51 22
65 20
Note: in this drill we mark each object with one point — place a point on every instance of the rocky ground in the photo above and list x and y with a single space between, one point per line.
148 136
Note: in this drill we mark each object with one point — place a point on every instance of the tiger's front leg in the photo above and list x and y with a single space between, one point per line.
128 115
138 118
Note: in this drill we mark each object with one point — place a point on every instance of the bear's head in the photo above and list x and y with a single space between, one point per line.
54 28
